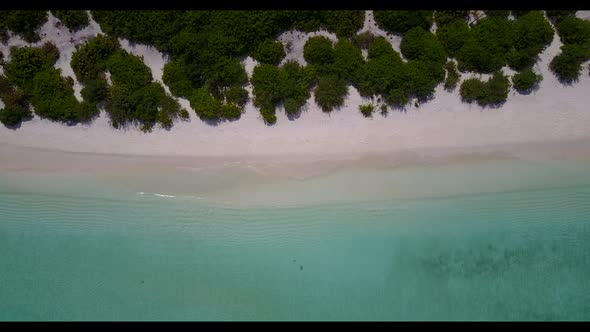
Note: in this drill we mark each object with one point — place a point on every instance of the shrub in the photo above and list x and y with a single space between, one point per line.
381 47
225 73
184 115
348 61
383 109
573 30
452 36
452 76
230 111
25 23
91 58
400 21
53 97
174 76
446 17
318 51
16 108
419 44
381 74
422 79
367 110
330 93
205 105
269 51
567 65
557 15
237 95
492 92
363 40
268 116
95 91
129 69
266 86
27 62
525 80
531 34
472 90
74 20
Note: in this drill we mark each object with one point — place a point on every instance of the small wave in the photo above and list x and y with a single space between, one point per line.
162 195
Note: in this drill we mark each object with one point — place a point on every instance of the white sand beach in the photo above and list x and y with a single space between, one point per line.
554 112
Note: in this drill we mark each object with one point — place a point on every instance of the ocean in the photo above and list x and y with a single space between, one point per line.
515 246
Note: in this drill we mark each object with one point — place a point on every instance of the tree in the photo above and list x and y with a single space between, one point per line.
573 30
367 110
555 16
492 92
348 61
446 17
531 34
400 21
74 20
419 44
452 76
453 35
269 51
90 60
526 80
363 40
568 64
205 105
25 23
330 93
175 77
318 51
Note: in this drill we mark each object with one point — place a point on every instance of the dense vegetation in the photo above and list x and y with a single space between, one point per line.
453 76
206 50
74 20
367 110
493 92
525 80
575 36
133 97
24 23
16 108
32 71
400 21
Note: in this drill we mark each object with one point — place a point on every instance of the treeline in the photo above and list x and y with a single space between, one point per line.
206 48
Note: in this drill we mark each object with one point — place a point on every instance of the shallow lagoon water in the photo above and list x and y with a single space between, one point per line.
502 250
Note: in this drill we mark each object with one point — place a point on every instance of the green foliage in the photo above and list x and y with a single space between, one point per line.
24 23
486 48
318 51
383 72
557 15
452 76
367 110
91 58
16 109
531 34
330 93
74 20
492 92
129 69
95 91
176 79
567 65
519 13
452 36
348 61
422 78
205 105
237 95
53 97
446 17
419 44
269 51
363 40
27 62
400 21
381 47
573 30
268 116
225 73
498 13
526 80
230 111
344 23
289 84
184 115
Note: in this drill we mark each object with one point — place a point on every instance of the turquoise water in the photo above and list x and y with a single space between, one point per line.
515 255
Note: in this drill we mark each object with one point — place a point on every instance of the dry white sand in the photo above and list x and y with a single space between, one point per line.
552 113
